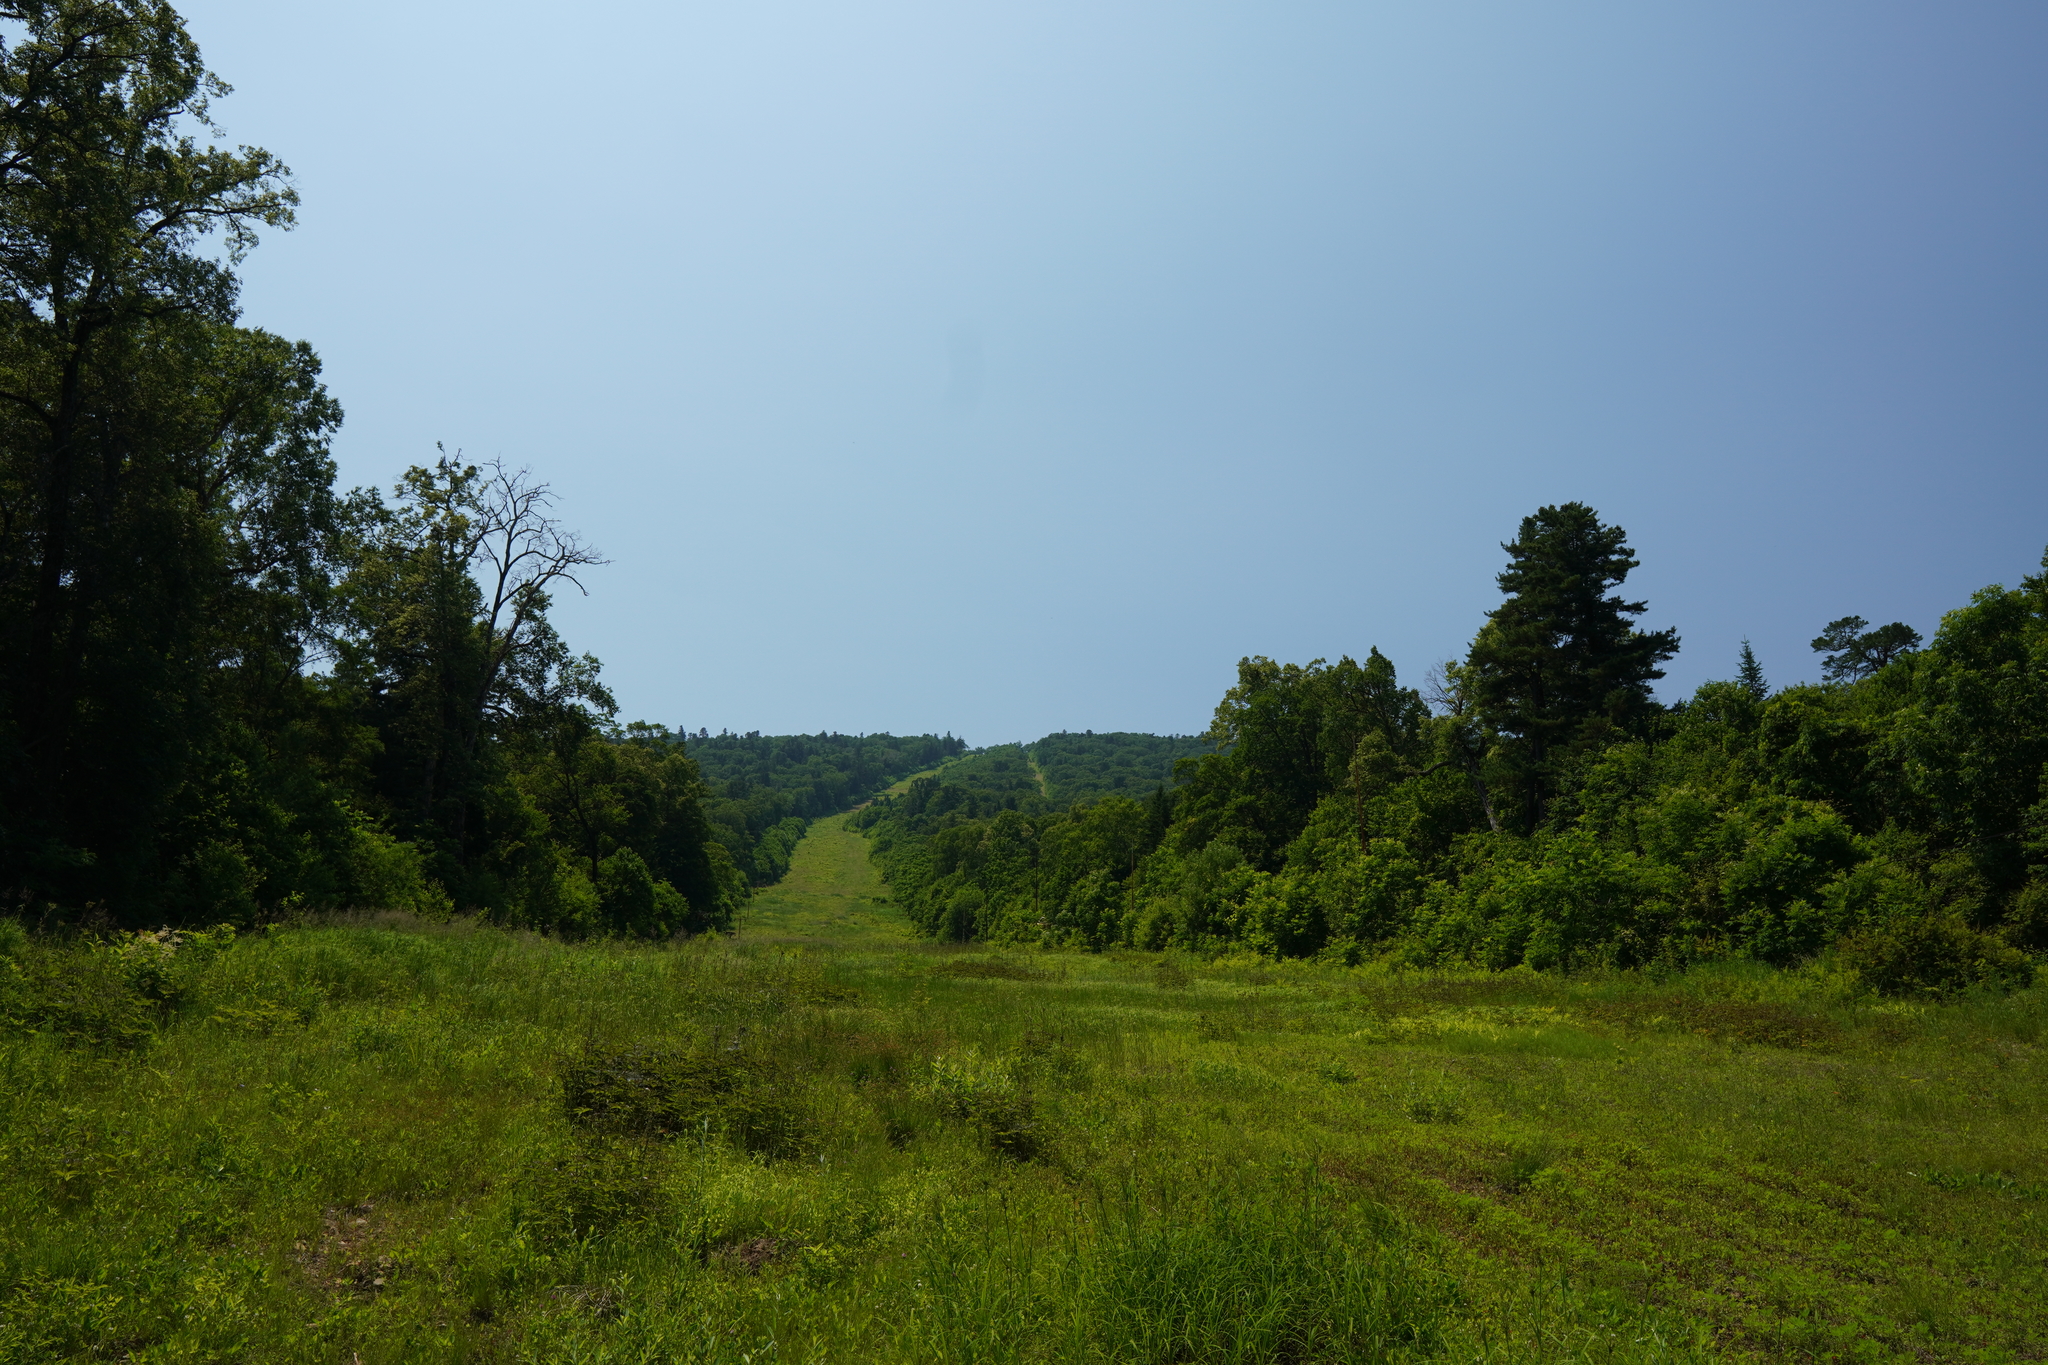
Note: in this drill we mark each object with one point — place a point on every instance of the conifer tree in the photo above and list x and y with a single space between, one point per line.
1750 674
1560 664
1851 652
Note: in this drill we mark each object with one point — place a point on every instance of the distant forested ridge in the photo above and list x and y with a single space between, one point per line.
766 789
1534 805
1086 766
1056 772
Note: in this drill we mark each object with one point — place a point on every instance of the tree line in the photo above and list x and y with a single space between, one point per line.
1533 804
230 689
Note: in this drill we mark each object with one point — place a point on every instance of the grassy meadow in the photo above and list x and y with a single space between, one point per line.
822 1140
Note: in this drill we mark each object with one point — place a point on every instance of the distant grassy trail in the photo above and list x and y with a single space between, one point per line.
832 893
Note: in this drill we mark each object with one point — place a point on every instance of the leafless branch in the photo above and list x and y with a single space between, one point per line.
519 552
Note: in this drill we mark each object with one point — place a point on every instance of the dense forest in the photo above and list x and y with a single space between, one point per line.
1054 773
1534 805
766 789
230 689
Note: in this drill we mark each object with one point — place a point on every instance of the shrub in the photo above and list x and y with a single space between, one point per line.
84 995
601 1184
2026 919
964 914
1933 954
626 896
985 1094
387 873
991 968
645 1090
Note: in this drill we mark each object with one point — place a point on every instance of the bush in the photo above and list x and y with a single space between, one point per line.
1933 954
964 914
987 1095
89 995
388 874
221 883
2026 920
600 1185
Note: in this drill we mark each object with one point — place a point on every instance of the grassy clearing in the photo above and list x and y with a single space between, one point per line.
830 896
824 1141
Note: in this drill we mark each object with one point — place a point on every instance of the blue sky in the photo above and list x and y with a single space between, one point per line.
1014 368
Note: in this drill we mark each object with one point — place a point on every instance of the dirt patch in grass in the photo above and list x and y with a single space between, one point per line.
343 1256
749 1256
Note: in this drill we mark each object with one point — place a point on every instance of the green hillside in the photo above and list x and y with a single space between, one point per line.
1088 766
764 790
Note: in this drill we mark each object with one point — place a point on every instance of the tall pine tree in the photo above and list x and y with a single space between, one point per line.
1750 674
1560 666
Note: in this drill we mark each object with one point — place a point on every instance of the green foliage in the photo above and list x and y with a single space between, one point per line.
389 874
170 751
1933 955
991 1097
1853 652
1337 817
100 994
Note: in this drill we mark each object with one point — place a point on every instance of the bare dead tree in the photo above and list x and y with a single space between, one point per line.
518 551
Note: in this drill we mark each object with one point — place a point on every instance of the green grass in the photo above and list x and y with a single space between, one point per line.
825 1141
830 895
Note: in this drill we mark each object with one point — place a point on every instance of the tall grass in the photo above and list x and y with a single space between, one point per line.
1235 1276
394 1142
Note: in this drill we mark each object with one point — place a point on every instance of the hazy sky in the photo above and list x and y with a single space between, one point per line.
1014 368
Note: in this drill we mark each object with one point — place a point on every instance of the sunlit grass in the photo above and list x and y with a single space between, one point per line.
827 1141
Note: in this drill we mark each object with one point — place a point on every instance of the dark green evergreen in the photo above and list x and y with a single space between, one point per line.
1749 674
1560 670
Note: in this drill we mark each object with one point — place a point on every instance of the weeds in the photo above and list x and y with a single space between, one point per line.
989 1096
1432 1103
758 1150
